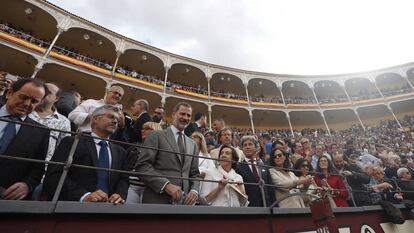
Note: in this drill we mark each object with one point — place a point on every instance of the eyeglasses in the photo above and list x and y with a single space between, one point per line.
305 165
278 155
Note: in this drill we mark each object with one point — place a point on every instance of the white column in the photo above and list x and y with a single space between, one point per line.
283 97
167 68
208 89
163 100
326 124
290 124
209 115
251 120
60 30
38 67
395 117
359 119
118 54
409 83
376 86
347 95
314 95
247 93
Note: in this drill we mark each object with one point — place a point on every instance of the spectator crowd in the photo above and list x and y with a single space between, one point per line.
221 166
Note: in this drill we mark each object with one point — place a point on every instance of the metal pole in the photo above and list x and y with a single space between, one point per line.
66 168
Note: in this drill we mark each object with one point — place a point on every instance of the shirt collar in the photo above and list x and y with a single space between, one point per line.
175 130
5 113
97 140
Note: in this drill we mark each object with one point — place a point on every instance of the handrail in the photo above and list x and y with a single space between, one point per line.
69 164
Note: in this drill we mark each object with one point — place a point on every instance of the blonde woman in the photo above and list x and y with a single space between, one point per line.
136 187
204 162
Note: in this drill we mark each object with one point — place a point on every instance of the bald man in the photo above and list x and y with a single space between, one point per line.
355 177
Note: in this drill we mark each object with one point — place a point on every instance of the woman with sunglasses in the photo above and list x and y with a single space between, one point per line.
285 181
301 169
331 182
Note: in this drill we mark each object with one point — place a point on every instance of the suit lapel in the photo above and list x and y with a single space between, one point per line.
90 144
171 140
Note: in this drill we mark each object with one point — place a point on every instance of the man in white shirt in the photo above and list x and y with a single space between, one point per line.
46 114
81 115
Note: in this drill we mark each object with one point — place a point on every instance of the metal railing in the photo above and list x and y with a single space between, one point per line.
69 163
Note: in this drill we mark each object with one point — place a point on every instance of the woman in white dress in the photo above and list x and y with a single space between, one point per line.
204 161
285 181
224 193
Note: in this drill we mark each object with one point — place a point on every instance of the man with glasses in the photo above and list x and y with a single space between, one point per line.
17 178
82 114
89 185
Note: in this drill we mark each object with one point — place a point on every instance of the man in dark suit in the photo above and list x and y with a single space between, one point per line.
87 185
356 179
200 121
168 159
252 172
17 178
140 110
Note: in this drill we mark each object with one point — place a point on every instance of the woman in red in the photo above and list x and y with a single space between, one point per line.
328 179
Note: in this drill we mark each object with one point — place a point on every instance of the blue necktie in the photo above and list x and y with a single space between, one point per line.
103 162
8 134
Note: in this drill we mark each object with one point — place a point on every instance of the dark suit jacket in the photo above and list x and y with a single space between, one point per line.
253 191
357 182
136 135
81 180
191 128
30 143
166 162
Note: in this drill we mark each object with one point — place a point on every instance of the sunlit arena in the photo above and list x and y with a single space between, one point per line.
128 116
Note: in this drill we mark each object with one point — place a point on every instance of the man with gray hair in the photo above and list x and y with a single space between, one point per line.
82 114
252 172
406 183
139 110
88 185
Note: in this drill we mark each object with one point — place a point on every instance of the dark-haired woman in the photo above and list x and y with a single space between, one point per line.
223 193
329 180
285 181
301 169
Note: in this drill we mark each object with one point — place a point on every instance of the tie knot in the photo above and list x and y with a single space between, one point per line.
103 143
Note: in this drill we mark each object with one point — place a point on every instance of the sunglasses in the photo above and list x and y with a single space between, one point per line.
278 155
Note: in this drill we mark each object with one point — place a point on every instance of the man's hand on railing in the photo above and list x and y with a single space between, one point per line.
17 191
174 191
191 198
116 199
97 196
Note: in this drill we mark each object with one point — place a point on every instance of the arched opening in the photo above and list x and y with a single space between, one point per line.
227 86
187 78
361 89
329 92
297 92
21 65
392 84
263 90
